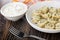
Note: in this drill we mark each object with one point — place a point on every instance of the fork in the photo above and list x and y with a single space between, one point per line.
19 34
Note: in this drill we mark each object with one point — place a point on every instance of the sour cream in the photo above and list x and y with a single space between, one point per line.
14 9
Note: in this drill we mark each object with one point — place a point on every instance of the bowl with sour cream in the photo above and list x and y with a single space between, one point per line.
13 11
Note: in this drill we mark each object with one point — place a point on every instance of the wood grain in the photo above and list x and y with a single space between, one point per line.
5 30
22 25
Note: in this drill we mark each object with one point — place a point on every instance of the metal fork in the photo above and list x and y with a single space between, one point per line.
19 34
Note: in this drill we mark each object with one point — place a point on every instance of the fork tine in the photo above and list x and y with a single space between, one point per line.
14 31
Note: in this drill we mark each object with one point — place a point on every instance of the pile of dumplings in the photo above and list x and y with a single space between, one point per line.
47 17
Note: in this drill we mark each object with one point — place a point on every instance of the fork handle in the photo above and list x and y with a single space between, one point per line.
37 37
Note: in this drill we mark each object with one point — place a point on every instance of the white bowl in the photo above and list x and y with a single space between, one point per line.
14 17
37 6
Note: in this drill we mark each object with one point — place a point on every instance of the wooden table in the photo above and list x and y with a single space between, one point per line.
23 26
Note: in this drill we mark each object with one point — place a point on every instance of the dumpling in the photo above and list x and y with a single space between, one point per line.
56 15
49 26
41 23
35 19
44 9
59 20
35 14
52 21
57 26
58 10
49 14
44 15
52 10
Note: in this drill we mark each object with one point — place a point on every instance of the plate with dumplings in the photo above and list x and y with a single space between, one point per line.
45 16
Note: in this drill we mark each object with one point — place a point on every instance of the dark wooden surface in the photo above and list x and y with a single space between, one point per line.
23 26
2 25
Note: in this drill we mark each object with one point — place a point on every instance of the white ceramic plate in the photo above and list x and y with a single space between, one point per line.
37 6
